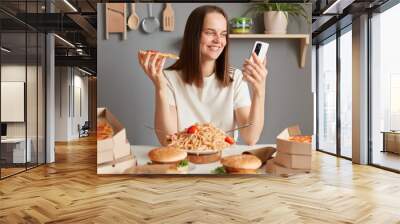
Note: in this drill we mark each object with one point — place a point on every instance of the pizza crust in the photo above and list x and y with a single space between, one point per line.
168 55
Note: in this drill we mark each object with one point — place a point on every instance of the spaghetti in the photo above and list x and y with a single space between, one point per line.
201 137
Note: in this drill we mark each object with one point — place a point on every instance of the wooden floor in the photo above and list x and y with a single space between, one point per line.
10 171
69 191
387 159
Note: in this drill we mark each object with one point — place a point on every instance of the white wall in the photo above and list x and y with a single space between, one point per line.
33 126
16 73
67 117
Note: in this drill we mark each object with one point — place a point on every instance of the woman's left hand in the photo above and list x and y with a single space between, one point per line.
255 72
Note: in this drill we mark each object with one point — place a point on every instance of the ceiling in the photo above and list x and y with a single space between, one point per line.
329 16
77 25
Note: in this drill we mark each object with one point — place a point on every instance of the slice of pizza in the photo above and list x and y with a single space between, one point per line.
168 55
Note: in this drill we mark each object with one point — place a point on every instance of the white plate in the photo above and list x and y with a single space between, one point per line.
203 152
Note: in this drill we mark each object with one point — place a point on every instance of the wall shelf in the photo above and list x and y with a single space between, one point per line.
304 41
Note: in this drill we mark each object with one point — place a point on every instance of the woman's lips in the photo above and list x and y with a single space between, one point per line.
214 48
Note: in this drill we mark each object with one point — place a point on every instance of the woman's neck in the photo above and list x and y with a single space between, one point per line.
207 67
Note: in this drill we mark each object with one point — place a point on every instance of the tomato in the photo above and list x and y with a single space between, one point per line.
229 140
192 129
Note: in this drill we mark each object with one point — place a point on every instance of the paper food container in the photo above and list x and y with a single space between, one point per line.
275 169
117 146
284 145
120 166
293 161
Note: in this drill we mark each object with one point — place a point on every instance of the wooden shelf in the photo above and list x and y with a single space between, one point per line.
303 38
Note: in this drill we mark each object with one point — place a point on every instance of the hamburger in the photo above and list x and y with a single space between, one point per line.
153 52
176 158
241 164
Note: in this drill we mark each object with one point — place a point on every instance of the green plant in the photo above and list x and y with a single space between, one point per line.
219 170
291 9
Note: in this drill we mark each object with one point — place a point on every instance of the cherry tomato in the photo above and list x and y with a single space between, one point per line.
229 140
192 129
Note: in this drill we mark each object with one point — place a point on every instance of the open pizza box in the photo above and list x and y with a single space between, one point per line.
120 166
116 147
285 145
292 157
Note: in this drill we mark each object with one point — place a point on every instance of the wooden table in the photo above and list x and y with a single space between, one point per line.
391 141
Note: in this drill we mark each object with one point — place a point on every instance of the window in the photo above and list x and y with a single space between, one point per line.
385 89
346 75
327 97
22 77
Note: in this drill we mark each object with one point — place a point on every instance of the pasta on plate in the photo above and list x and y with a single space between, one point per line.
201 137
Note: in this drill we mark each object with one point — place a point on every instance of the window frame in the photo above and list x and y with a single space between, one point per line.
335 36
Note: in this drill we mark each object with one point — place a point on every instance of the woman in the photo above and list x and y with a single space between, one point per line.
201 87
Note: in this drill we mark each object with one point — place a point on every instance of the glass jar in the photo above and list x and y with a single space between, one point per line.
240 25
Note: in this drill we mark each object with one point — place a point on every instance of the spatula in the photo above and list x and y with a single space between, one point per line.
168 18
133 21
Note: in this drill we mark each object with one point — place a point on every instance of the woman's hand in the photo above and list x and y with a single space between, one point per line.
255 72
153 66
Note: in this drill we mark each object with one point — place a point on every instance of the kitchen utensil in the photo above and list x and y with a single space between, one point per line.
163 131
168 18
244 126
115 19
133 21
150 23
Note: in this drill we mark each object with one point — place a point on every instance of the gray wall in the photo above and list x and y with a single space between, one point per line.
124 88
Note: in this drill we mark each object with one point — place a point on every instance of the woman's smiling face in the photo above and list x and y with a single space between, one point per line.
213 36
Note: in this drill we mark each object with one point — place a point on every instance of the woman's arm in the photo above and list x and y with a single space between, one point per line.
165 117
253 114
255 73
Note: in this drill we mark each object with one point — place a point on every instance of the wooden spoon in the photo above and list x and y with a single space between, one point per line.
133 21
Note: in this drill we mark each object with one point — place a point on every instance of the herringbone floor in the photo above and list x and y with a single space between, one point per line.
69 191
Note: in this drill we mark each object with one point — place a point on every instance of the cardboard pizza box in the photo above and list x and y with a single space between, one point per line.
293 161
115 147
116 152
284 145
275 169
120 166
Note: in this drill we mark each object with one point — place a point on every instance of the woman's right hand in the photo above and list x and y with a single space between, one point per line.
153 66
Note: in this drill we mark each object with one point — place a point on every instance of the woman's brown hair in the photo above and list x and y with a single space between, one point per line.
189 56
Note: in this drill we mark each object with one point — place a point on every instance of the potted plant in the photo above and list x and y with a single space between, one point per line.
276 15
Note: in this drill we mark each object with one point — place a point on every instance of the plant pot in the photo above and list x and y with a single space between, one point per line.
275 22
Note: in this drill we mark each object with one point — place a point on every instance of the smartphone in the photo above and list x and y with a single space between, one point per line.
260 48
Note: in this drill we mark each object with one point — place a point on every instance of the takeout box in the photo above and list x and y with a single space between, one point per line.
284 145
273 168
115 147
119 166
293 161
292 157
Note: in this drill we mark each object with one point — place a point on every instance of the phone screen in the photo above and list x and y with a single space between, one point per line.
257 49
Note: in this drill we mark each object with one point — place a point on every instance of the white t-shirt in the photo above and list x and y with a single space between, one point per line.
211 103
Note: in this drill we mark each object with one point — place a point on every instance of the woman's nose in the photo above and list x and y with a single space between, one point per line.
217 38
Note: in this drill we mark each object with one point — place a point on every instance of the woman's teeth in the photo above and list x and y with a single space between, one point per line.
214 48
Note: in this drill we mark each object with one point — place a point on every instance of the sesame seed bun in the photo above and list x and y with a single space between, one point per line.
244 164
167 155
